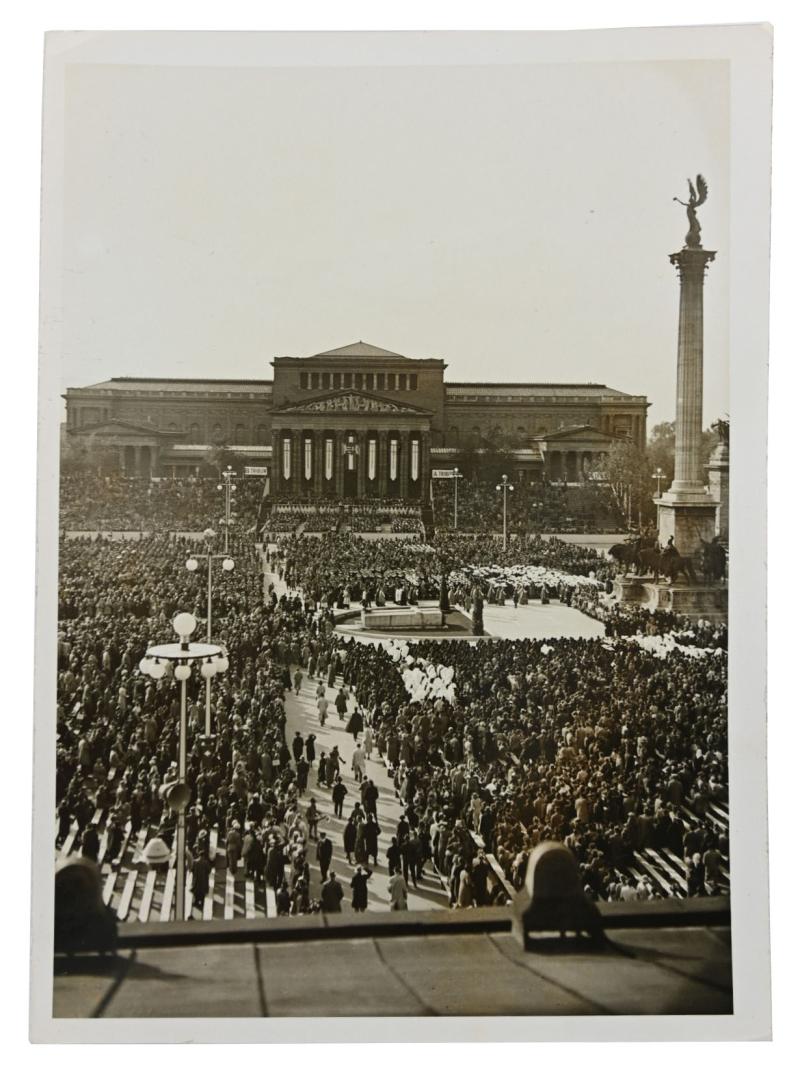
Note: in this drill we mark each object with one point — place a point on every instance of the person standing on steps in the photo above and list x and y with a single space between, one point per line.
341 703
368 742
338 793
358 763
349 838
398 892
358 883
312 818
331 895
322 708
324 855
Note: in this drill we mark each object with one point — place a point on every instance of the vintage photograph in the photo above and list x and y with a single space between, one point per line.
388 379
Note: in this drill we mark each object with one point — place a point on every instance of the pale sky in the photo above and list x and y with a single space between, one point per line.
513 220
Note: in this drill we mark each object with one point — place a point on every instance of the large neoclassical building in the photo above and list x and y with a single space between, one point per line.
353 421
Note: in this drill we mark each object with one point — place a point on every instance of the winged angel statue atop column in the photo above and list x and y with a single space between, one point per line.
697 196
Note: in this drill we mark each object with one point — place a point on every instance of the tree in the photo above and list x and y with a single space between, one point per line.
626 470
89 456
218 457
661 448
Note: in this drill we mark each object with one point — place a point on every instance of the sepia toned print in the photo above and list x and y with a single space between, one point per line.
392 679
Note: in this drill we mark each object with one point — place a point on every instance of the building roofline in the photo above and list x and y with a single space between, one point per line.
501 383
172 379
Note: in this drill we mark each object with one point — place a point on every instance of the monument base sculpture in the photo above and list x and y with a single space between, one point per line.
706 602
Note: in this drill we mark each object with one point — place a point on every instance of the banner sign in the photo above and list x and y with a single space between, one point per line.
256 470
443 474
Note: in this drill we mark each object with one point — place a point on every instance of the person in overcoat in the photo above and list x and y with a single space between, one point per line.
360 849
324 854
358 883
349 838
371 833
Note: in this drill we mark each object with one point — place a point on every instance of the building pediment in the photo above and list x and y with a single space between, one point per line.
110 428
582 432
352 401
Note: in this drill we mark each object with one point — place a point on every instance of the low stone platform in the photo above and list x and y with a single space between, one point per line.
708 602
419 964
389 618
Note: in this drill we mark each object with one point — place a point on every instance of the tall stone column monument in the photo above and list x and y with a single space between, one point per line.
687 512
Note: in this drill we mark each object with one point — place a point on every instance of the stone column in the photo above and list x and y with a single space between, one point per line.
275 465
361 464
338 462
691 265
296 463
383 462
686 512
405 457
424 465
318 461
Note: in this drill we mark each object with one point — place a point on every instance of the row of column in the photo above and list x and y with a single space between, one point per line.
634 423
573 465
297 472
136 460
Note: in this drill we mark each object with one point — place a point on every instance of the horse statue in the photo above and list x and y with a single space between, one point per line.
667 563
627 553
624 554
714 560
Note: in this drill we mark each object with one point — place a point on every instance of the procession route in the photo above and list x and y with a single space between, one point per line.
302 716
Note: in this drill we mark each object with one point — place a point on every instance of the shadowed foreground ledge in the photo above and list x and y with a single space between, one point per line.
662 958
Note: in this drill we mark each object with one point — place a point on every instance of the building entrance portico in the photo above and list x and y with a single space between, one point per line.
323 448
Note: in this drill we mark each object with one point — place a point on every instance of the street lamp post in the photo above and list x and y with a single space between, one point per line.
229 487
227 565
659 476
182 657
505 487
456 477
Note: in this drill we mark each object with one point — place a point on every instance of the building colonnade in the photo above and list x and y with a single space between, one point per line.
350 463
573 466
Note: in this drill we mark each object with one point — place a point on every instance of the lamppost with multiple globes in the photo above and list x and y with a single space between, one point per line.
192 565
456 477
505 487
182 656
658 475
228 486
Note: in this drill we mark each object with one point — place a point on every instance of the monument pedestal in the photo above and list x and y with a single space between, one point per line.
707 602
688 521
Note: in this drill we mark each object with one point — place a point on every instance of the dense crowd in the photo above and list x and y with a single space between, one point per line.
531 507
118 503
599 745
341 570
369 516
116 599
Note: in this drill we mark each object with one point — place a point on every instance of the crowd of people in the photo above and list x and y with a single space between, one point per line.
117 731
541 507
92 503
597 744
329 517
602 744
342 570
